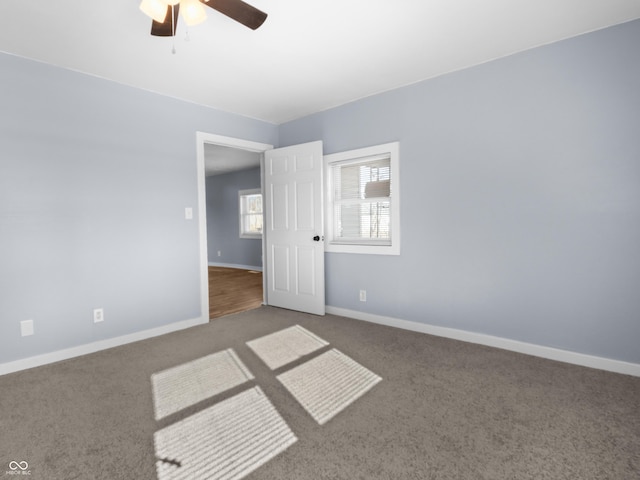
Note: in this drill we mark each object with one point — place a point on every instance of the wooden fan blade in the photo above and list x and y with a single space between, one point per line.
239 11
166 28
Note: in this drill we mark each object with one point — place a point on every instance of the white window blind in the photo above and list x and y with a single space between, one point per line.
362 199
250 213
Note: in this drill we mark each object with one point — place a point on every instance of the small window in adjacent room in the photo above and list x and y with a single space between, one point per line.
363 201
250 213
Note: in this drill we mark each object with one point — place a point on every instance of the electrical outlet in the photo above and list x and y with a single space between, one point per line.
219 253
188 213
363 295
98 315
26 328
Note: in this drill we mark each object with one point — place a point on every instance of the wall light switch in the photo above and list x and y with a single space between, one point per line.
188 213
26 328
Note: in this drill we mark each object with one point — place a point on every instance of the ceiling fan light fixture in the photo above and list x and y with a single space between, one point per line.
193 12
171 2
156 9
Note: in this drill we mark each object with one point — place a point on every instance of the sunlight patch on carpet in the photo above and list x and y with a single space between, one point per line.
328 384
224 442
283 347
184 385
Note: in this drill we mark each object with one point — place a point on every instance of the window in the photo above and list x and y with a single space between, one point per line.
250 213
363 201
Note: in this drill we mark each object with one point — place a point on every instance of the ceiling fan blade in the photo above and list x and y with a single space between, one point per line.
166 28
239 11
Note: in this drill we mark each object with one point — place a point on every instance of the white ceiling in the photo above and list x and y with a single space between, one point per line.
220 160
309 55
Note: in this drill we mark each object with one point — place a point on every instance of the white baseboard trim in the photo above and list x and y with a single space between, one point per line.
550 353
59 355
235 265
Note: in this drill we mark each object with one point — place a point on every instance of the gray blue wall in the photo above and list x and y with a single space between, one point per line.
520 193
520 200
223 224
94 180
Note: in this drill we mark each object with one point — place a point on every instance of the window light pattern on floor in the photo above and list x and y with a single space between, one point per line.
224 442
184 385
285 346
328 384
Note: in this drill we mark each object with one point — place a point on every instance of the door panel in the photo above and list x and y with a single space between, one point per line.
280 268
279 207
293 178
304 207
306 283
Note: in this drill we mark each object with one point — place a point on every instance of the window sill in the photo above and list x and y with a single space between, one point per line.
362 249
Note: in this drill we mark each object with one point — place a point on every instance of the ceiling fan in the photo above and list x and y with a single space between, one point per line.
165 13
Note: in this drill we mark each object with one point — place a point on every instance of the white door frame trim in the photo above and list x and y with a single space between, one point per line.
214 139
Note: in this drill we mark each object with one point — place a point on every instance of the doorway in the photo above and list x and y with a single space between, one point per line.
227 261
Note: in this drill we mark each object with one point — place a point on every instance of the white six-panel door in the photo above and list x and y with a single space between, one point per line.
294 227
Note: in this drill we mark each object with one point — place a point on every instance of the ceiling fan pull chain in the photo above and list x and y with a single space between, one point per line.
173 33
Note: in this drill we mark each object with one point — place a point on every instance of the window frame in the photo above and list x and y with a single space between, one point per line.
353 156
241 215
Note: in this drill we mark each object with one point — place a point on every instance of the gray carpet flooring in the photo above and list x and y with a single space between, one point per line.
443 410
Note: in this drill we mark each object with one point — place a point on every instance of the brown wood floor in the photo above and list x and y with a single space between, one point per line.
232 290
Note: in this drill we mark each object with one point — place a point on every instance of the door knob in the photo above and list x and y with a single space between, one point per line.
316 238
